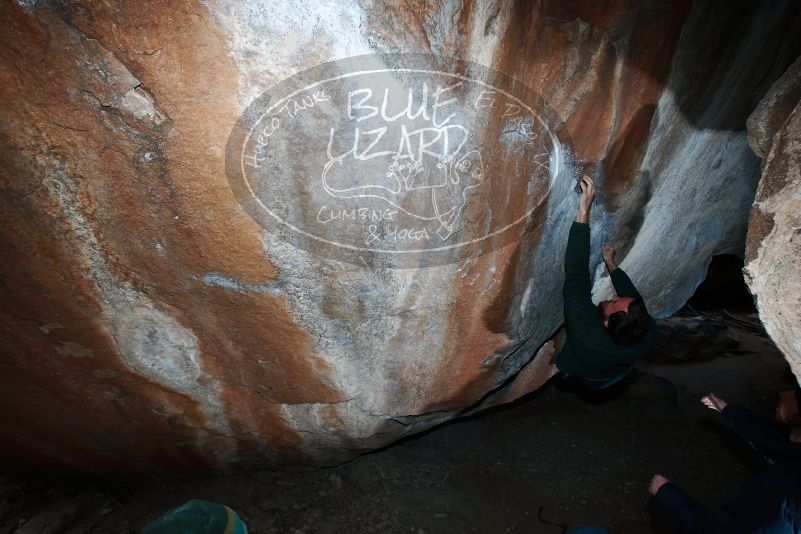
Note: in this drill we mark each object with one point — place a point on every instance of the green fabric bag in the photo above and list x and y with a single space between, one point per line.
197 517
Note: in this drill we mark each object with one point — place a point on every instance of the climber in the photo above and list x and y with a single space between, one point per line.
603 342
769 501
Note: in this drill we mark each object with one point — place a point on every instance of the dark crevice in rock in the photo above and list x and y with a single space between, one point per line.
723 287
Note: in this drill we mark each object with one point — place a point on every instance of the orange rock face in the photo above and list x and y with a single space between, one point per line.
153 327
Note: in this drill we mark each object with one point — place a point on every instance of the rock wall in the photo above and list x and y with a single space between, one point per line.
151 327
773 252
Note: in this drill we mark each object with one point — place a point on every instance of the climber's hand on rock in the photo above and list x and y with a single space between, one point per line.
713 402
587 191
608 253
657 481
587 196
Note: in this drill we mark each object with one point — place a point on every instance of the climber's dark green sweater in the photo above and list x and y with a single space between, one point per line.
588 350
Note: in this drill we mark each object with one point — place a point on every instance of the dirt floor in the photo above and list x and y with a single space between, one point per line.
580 462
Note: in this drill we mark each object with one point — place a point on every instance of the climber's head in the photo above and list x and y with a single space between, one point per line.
625 319
614 305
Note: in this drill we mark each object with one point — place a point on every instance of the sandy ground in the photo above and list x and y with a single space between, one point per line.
580 462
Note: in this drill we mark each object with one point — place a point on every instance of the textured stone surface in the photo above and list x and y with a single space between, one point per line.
772 111
773 253
690 339
151 328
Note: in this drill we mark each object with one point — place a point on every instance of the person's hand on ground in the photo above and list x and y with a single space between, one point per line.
608 253
587 196
657 481
713 402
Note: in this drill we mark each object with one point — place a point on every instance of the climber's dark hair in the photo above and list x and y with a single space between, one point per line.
628 327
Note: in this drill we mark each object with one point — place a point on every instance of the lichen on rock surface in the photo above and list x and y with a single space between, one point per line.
153 327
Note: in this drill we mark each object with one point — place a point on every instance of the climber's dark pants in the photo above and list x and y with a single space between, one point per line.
596 383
